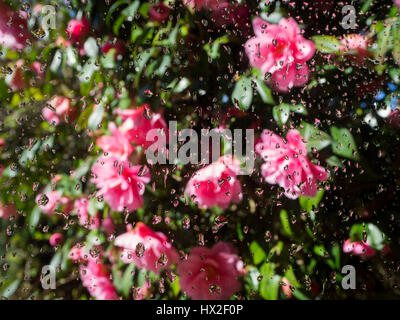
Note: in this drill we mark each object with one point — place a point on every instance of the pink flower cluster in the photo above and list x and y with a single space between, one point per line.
14 32
147 249
287 165
280 52
211 274
121 184
58 110
94 274
358 248
7 211
216 185
50 201
206 274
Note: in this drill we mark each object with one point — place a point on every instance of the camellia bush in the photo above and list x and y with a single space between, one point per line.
90 89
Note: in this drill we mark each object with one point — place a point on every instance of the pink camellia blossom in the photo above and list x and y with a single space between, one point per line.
95 275
147 249
56 239
287 165
117 144
50 201
204 4
7 211
77 30
216 185
394 119
14 32
359 248
211 274
138 122
280 52
121 184
81 209
286 288
58 109
357 44
108 225
116 44
228 14
16 80
38 70
159 12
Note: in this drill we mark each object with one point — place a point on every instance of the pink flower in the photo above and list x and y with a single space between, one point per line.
7 211
227 14
394 119
286 288
95 277
121 184
206 4
81 209
56 239
58 109
287 165
211 274
159 12
280 52
78 253
359 248
94 274
37 68
116 44
108 225
117 144
356 43
147 249
14 32
138 122
216 184
16 79
77 30
397 2
49 202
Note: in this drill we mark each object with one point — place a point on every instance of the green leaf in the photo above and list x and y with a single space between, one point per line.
281 113
320 251
315 138
344 144
286 230
242 95
308 203
269 285
375 237
383 43
334 162
96 117
299 109
396 42
327 44
257 252
183 84
34 219
11 288
264 92
127 279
